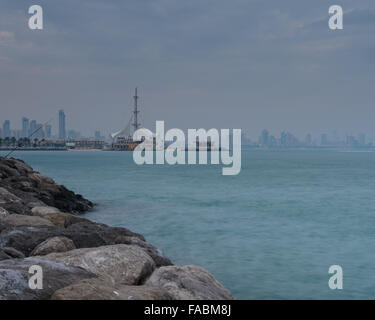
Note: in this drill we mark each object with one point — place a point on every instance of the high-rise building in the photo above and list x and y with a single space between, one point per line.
48 131
62 128
97 135
362 139
32 129
324 139
40 133
25 127
6 129
308 140
264 138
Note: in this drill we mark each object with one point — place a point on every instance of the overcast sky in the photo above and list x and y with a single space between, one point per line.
248 64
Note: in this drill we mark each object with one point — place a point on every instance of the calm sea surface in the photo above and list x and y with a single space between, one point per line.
270 232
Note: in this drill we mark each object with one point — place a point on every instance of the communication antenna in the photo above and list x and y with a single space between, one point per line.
136 124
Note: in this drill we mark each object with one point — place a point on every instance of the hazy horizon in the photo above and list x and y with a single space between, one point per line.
239 64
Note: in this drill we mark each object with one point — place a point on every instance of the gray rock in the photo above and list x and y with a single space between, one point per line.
97 289
4 255
3 213
14 278
25 239
156 254
84 235
13 252
55 244
36 203
188 283
54 215
6 196
16 207
20 181
90 234
16 220
121 264
44 210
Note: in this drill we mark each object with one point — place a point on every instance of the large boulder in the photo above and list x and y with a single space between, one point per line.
52 214
6 196
155 253
55 244
86 234
121 264
14 278
4 255
97 289
16 220
89 234
188 283
13 253
25 239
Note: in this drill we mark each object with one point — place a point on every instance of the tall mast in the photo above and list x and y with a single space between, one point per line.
136 124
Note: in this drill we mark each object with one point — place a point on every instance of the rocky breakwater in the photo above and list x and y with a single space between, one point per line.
79 258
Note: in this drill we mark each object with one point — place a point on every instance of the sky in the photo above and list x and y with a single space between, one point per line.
249 64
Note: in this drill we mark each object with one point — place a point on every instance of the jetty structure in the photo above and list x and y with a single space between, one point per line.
123 139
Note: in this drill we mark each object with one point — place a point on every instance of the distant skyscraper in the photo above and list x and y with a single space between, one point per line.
48 131
308 140
6 129
264 138
25 127
32 129
362 139
62 128
324 139
40 133
97 135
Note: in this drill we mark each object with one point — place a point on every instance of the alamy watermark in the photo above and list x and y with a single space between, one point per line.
224 147
336 280
36 280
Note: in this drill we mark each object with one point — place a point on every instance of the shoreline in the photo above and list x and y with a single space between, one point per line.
41 224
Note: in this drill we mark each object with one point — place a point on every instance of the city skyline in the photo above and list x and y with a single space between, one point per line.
244 64
266 139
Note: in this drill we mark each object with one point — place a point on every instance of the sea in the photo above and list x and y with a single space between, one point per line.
271 232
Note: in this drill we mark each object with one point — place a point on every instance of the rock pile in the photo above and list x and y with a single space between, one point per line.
81 259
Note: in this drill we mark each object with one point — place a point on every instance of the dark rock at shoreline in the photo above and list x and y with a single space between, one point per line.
28 186
4 255
13 253
14 278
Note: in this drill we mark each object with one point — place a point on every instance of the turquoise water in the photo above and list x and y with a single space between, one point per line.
271 232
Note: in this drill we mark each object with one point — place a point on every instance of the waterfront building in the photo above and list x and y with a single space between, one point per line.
84 144
62 125
98 135
25 127
6 129
324 139
40 133
32 128
48 131
362 139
